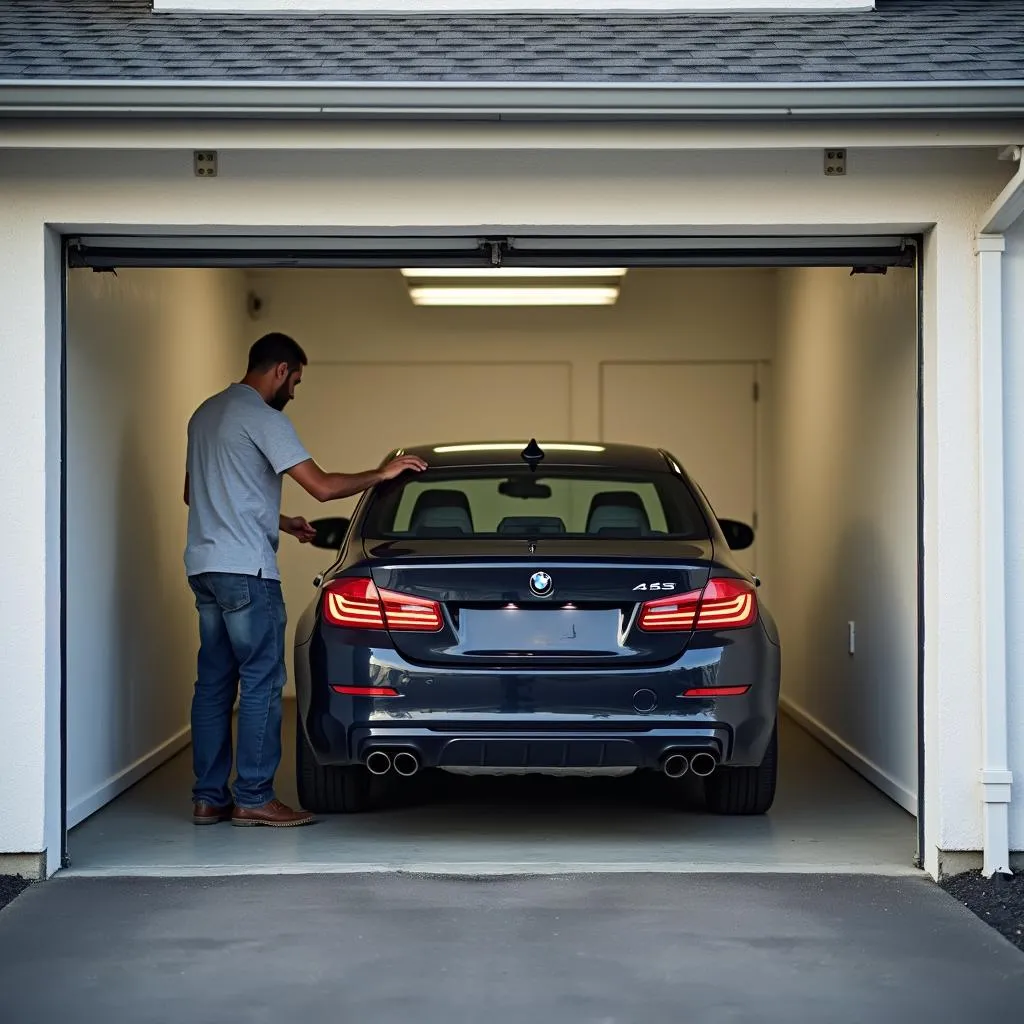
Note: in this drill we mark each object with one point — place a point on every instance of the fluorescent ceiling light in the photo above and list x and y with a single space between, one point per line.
422 273
514 296
449 448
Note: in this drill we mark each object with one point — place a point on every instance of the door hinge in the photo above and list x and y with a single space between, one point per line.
757 391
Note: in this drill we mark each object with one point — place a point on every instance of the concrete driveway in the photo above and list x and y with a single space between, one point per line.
414 950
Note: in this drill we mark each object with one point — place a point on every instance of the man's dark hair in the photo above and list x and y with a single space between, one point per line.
272 349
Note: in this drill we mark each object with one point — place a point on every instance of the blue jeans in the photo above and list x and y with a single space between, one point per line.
241 641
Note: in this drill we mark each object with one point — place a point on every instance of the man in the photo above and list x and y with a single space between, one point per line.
240 444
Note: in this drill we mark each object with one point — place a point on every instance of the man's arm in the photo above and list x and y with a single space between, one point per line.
186 488
331 486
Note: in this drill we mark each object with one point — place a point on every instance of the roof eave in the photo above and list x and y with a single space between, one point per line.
509 100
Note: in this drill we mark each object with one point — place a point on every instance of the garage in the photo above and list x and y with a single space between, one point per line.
183 176
782 371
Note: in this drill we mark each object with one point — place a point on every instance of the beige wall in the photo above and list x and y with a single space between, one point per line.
144 348
385 373
846 511
366 316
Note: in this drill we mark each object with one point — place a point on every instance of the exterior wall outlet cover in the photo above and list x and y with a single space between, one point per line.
204 163
835 163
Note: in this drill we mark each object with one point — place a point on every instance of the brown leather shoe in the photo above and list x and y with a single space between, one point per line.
273 815
207 814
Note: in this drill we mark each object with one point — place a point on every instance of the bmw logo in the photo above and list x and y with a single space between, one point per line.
541 584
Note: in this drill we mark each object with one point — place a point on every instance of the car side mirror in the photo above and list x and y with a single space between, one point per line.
738 535
329 532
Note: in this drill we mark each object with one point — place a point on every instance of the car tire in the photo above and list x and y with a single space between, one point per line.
331 789
745 790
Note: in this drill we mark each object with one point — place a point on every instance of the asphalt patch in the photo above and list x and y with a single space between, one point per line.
11 886
998 901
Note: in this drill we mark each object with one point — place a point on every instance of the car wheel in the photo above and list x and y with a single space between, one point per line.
745 790
331 789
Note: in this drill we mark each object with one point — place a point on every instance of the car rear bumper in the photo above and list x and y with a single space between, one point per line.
525 749
559 719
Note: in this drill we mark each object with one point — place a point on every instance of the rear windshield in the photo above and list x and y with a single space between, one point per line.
515 502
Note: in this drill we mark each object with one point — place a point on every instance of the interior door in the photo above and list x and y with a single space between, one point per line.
704 414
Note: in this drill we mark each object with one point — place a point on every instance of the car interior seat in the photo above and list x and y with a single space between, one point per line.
440 512
621 512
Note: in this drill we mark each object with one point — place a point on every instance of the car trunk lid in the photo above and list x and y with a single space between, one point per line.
566 603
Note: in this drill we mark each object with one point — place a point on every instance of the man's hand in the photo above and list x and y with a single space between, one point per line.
331 486
297 527
398 466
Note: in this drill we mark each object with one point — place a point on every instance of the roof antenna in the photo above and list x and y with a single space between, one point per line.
532 455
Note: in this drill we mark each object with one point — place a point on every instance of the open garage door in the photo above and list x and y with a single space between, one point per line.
102 252
797 359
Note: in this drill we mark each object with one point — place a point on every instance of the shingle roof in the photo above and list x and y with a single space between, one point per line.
902 40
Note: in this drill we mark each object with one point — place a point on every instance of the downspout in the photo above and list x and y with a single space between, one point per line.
996 778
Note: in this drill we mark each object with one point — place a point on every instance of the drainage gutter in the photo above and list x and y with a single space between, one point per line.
509 100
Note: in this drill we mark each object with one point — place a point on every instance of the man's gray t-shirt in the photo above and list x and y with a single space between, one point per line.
238 448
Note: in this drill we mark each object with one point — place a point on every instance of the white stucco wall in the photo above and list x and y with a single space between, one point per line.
685 190
1013 410
846 463
30 604
144 349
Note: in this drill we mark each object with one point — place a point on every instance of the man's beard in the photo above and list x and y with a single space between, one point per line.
281 398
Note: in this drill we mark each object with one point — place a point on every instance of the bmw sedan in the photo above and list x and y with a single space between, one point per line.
547 608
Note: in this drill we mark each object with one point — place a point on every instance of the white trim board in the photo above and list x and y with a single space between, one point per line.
880 779
117 784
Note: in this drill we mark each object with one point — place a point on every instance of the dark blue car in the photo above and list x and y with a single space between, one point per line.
552 608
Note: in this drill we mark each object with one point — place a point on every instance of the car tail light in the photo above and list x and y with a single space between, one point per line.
366 691
411 614
357 603
727 604
714 691
724 603
670 614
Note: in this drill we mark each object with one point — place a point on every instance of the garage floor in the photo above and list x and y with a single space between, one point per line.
825 818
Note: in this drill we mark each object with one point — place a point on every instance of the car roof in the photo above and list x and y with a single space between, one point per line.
592 454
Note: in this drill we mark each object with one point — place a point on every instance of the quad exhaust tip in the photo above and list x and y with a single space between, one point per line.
406 764
378 763
703 764
675 766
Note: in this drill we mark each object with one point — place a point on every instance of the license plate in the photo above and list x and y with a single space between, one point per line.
521 630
